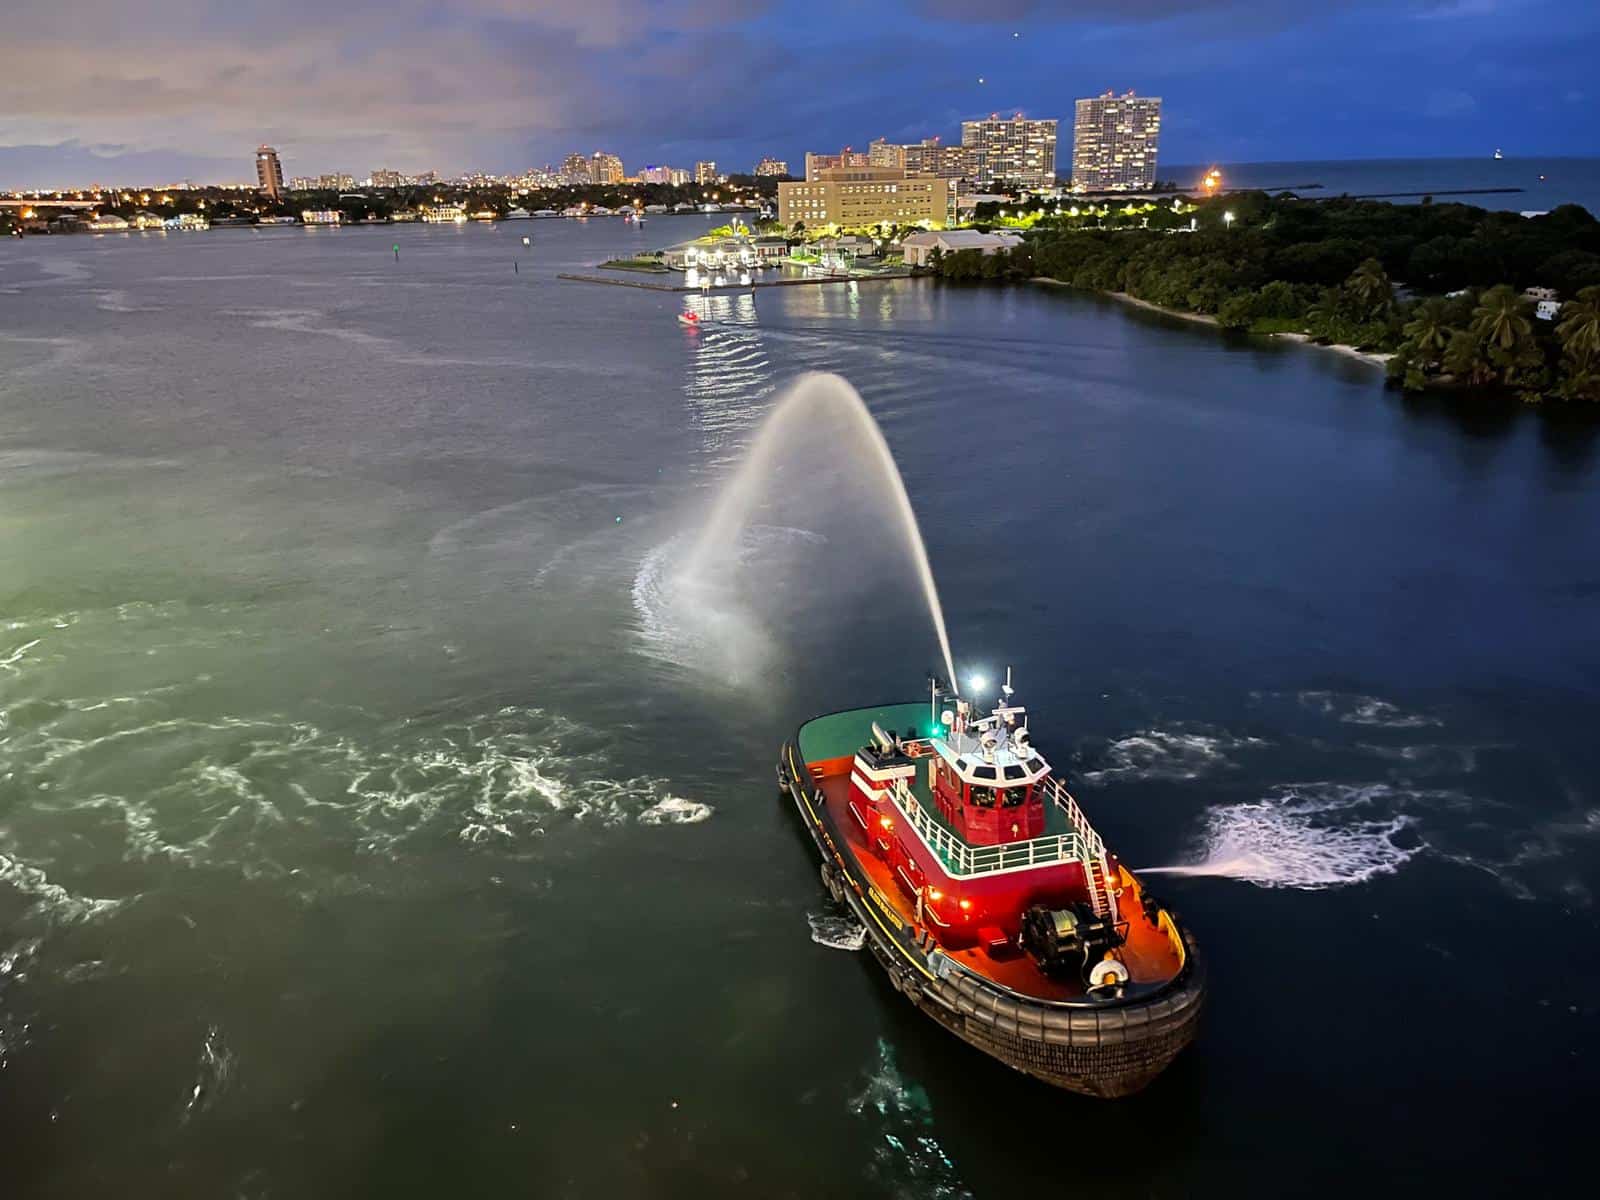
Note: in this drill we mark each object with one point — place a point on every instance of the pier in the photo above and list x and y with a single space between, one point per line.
729 287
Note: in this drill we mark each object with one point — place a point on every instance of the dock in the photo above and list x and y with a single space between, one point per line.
728 287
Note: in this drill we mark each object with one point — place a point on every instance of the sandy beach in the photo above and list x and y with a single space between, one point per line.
1369 357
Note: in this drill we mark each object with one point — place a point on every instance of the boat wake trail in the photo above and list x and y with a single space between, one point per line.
909 1160
836 932
1309 837
1364 710
1168 755
213 1074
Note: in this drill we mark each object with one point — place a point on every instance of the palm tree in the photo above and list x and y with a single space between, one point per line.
1370 286
1429 331
1466 359
1581 380
1579 331
1501 318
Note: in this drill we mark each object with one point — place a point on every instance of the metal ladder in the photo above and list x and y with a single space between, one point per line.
1094 875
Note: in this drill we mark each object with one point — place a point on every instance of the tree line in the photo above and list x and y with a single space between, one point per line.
1329 268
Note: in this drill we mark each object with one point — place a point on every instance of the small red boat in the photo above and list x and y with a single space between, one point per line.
988 897
692 320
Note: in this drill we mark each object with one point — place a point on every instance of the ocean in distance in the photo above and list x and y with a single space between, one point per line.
1545 182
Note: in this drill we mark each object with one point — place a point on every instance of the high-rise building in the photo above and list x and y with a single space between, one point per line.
883 153
705 171
772 166
605 168
679 177
386 179
933 157
847 157
269 172
1013 149
851 196
1114 142
654 174
575 168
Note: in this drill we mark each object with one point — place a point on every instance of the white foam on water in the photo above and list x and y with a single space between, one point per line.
214 1072
247 792
10 661
836 932
51 899
1168 754
1427 758
1356 709
1308 837
907 1160
675 810
1529 868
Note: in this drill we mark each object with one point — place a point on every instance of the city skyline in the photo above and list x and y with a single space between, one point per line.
496 86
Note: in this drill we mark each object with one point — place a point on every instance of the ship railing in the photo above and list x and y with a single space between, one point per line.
1058 794
964 860
1096 865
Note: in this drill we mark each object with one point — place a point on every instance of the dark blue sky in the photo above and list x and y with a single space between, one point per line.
105 90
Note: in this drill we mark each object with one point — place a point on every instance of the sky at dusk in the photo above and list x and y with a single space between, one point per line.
108 91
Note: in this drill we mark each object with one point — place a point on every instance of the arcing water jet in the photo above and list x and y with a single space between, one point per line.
815 396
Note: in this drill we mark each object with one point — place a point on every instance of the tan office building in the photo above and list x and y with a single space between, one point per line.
851 196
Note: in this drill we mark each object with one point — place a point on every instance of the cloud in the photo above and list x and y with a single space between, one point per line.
505 84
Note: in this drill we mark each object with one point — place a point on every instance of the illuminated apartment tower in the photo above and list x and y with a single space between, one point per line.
932 157
1012 149
1114 142
605 168
884 153
705 171
575 169
847 157
269 172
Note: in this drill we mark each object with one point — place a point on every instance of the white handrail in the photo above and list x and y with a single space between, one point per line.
965 860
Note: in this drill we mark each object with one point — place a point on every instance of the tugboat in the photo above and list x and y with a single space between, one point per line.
987 896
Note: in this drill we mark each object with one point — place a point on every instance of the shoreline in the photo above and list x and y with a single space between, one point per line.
1371 358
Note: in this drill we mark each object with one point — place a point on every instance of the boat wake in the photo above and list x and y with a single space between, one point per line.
213 1073
908 1161
1167 755
257 794
1308 837
1364 710
48 899
836 932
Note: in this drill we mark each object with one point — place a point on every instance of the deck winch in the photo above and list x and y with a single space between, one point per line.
1066 940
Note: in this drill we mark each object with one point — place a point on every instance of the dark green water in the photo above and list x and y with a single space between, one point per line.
367 826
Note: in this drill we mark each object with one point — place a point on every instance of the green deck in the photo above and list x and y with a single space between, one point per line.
842 733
